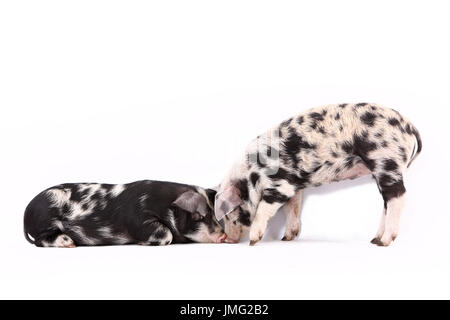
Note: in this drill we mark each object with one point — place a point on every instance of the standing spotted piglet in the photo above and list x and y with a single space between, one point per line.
320 146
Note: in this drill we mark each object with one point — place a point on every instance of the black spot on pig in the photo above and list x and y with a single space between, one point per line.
385 180
389 187
369 118
242 186
292 146
347 147
286 123
244 217
390 165
273 195
254 177
283 174
65 209
361 147
316 116
402 152
408 129
395 123
75 196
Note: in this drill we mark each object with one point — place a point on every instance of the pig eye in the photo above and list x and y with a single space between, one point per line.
197 216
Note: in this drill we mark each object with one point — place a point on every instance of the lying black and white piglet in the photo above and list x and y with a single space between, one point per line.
319 146
143 212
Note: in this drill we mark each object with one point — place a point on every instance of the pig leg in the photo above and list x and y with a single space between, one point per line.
293 222
381 228
154 233
272 200
60 241
392 225
393 192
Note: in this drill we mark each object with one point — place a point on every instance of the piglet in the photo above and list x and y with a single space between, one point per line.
322 145
143 212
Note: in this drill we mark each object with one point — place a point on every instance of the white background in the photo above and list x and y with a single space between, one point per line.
117 91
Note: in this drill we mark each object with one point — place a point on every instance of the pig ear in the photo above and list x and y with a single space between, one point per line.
211 194
191 201
227 201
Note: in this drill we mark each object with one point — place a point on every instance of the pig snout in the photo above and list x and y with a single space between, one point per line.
222 238
231 240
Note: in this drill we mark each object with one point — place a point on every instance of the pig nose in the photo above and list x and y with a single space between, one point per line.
230 240
222 238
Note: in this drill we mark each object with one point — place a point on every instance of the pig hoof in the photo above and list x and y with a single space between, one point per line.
291 234
376 241
386 242
289 237
253 242
380 243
